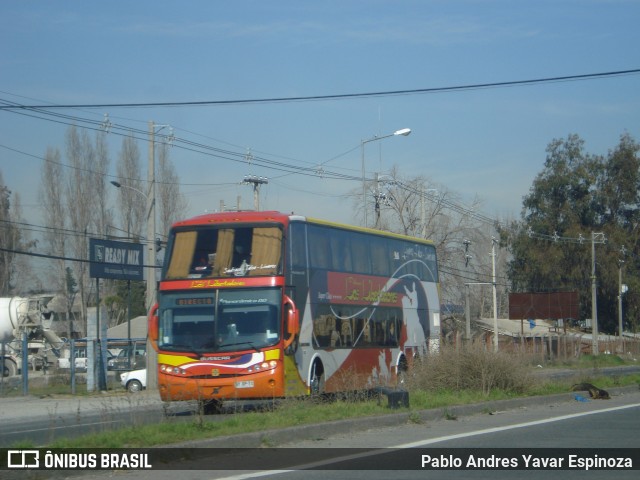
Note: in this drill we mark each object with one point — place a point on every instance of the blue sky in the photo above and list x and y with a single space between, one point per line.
488 142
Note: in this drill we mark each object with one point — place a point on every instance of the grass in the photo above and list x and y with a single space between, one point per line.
451 378
56 384
301 412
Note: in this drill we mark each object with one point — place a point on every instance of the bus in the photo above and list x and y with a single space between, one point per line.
263 305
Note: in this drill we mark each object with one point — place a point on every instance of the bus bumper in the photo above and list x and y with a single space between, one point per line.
261 385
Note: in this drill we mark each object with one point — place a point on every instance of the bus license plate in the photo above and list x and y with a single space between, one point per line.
245 384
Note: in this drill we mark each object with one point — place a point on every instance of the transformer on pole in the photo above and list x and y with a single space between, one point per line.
256 182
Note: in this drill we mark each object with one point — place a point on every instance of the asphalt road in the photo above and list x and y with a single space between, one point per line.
399 440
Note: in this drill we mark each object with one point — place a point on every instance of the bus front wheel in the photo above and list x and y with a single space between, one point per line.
210 407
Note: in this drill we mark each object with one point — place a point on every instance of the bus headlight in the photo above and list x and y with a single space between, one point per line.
263 366
172 370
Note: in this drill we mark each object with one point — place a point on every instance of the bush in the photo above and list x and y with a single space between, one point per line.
470 367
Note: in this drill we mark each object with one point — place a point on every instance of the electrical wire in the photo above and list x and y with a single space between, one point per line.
387 93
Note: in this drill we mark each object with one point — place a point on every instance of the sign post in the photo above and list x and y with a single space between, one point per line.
114 260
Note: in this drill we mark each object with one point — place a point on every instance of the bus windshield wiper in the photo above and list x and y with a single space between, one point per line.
183 348
240 343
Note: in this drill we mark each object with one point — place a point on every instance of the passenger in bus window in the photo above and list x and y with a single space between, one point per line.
201 265
241 255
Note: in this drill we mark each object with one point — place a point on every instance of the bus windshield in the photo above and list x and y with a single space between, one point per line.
220 320
232 251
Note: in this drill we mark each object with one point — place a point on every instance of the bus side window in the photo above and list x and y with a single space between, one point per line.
360 254
320 248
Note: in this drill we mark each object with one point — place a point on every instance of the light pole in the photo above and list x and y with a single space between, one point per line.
151 261
151 244
151 278
403 132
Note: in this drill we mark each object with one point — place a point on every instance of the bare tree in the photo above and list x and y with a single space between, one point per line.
14 265
131 201
81 206
418 207
7 235
171 202
52 195
104 216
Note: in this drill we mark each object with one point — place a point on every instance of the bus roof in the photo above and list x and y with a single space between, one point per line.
251 216
382 233
242 216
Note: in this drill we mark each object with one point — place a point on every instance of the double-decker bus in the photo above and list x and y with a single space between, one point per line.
255 305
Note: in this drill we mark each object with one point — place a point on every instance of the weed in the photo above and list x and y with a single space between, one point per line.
449 416
415 417
267 442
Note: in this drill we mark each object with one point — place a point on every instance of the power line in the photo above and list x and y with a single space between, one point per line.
38 111
344 96
188 145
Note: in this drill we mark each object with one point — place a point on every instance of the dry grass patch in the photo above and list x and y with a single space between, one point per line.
471 367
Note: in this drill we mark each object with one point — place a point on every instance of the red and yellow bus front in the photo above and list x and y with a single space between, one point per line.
223 343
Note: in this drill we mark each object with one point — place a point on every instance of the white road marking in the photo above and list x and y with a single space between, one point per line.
421 443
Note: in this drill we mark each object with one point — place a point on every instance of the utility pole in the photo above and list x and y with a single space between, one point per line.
467 314
403 132
256 182
621 290
423 213
381 199
495 296
620 263
152 357
595 238
466 242
151 220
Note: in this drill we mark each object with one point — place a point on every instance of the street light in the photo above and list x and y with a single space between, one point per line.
119 185
151 261
403 132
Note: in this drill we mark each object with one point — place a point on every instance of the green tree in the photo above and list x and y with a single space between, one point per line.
577 194
618 209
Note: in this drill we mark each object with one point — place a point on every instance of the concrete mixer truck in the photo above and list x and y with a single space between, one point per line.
30 315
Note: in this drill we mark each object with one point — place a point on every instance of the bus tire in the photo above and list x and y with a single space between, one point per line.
401 376
10 368
210 407
317 379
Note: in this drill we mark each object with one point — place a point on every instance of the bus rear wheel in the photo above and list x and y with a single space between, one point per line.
317 379
401 377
